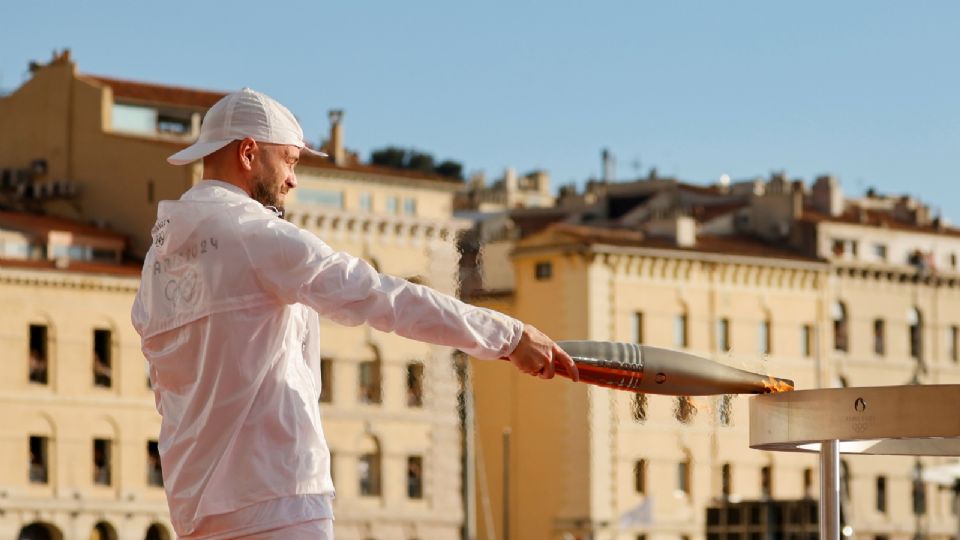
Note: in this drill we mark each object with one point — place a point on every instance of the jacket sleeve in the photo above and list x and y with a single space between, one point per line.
297 267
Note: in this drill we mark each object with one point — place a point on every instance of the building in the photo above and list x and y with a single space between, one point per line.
769 275
90 151
531 190
78 434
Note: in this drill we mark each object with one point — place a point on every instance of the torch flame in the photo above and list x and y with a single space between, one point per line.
773 386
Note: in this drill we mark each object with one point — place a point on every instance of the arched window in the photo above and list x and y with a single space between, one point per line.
370 378
40 531
157 532
838 313
915 324
103 531
368 467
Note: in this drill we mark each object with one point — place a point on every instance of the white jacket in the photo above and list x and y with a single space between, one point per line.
228 315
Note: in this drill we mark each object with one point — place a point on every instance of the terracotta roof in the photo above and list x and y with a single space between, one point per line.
729 245
325 163
703 213
35 223
533 220
874 218
192 97
159 93
126 269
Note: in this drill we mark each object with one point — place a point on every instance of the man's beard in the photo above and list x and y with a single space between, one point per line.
264 195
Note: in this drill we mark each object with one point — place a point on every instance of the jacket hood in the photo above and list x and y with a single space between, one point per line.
176 220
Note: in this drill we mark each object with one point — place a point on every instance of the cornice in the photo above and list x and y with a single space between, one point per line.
63 279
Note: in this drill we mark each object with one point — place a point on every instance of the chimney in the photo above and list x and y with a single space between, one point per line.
827 196
796 202
337 151
609 165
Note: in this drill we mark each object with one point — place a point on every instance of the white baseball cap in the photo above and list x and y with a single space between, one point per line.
239 115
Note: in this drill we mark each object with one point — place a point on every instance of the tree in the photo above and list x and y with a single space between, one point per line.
414 160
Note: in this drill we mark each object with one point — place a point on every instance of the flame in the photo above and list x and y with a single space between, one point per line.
773 386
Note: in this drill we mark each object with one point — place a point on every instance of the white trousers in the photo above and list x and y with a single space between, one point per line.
318 529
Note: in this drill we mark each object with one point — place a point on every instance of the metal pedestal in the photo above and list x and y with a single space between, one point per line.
885 420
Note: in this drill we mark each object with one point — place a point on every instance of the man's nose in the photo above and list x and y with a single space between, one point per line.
292 180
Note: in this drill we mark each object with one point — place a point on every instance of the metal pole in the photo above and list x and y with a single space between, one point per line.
506 483
829 490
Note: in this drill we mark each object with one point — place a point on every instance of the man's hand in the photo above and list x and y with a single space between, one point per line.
536 354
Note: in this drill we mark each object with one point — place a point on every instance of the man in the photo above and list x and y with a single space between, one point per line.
228 312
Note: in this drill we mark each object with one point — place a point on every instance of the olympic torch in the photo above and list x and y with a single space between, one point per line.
653 370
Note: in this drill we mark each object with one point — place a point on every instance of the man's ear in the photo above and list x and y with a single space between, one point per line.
247 151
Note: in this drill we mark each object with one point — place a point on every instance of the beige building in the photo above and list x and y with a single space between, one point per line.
78 433
748 274
87 154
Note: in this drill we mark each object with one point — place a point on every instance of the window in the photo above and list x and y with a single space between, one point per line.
953 260
838 313
39 471
393 205
368 471
842 247
882 494
154 470
415 477
131 118
102 372
415 384
919 491
915 323
764 345
38 354
725 409
806 340
366 202
878 337
410 206
683 476
640 476
808 482
766 481
953 337
370 382
543 270
639 407
638 327
680 330
320 197
101 462
174 124
723 335
685 409
880 251
726 481
103 531
326 380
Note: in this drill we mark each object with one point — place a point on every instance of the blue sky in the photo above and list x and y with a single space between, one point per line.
867 91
